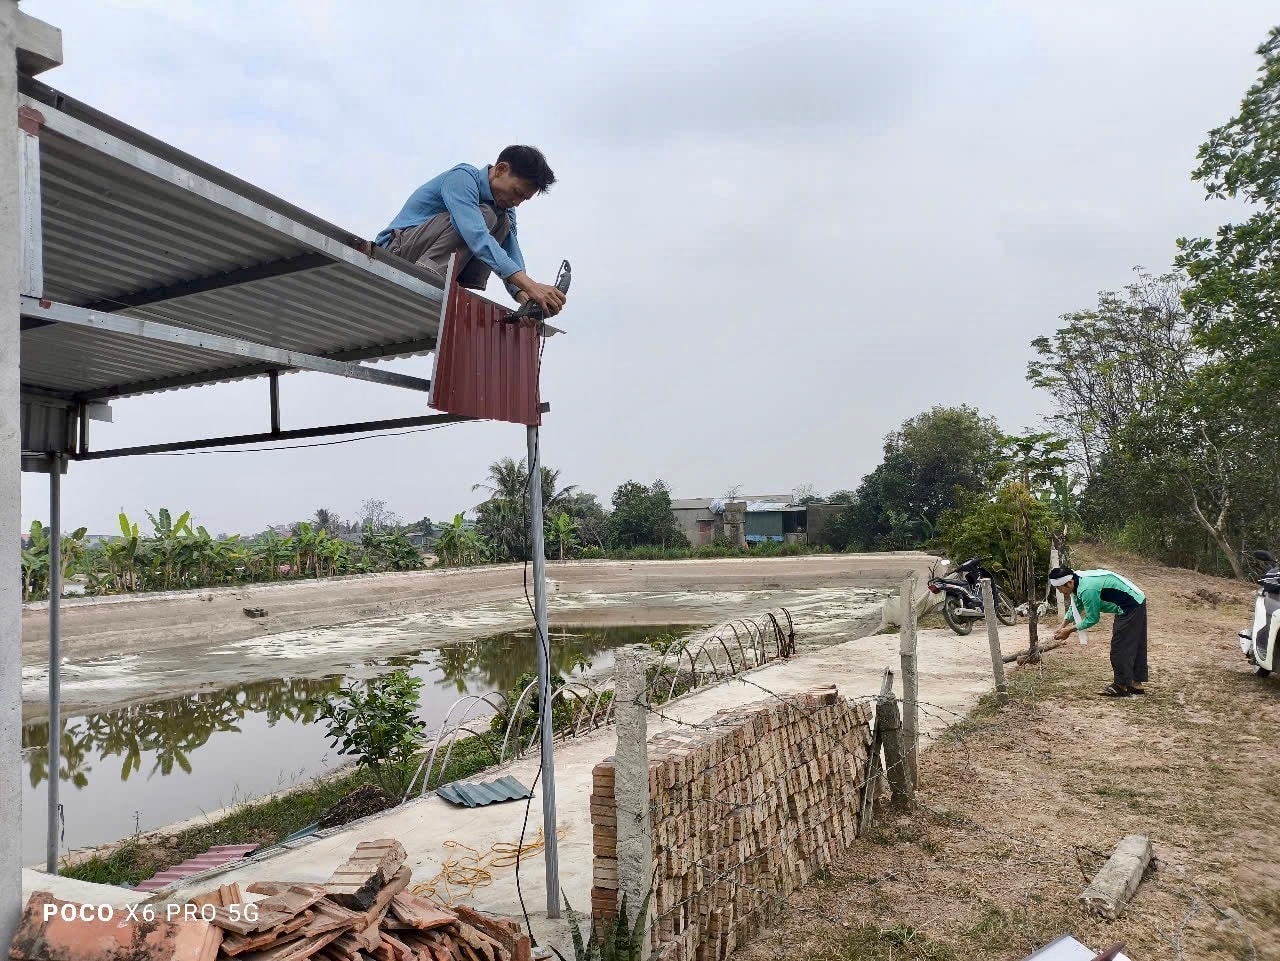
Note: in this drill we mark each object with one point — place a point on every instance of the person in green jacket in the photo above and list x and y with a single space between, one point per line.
1095 593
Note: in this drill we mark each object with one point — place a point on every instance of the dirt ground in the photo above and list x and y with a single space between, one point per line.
1019 806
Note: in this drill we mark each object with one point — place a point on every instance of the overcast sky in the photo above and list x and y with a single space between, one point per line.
792 226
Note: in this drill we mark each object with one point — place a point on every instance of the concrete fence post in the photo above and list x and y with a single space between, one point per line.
631 782
910 680
993 638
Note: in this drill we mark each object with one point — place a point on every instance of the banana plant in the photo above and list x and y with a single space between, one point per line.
564 531
35 559
35 563
169 541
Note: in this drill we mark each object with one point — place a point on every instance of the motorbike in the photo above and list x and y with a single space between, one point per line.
1258 644
962 600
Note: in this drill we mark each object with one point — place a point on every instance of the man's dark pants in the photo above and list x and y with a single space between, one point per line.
1129 647
430 245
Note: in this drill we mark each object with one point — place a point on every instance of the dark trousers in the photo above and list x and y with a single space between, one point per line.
430 244
1129 647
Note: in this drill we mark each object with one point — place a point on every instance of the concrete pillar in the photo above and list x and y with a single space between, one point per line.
631 781
10 487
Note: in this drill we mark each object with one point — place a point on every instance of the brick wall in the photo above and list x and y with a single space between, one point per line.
746 809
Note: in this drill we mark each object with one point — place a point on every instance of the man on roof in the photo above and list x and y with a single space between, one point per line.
1092 593
471 211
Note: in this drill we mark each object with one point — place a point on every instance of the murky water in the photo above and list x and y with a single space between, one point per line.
147 766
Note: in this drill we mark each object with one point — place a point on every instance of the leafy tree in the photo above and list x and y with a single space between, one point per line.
642 517
1234 295
1035 460
1171 450
930 464
375 517
1108 363
589 515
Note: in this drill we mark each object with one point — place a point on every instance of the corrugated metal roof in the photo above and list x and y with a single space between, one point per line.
484 367
706 503
113 233
214 857
475 794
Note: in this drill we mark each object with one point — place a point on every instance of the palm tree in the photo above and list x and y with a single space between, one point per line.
506 479
326 520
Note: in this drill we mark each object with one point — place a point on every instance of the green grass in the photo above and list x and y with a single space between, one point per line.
262 822
1027 926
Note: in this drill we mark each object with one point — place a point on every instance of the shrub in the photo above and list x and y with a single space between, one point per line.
376 722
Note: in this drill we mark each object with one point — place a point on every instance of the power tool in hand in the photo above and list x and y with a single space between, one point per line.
531 310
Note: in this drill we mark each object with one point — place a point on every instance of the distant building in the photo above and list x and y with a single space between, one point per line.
748 519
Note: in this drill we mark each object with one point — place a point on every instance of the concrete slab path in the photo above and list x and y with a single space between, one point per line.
954 673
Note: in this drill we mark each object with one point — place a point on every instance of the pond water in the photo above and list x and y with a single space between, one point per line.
145 766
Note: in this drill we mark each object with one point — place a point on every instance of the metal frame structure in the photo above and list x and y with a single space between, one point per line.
219 319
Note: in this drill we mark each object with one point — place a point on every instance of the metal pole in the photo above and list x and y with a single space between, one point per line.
10 488
55 662
548 776
275 401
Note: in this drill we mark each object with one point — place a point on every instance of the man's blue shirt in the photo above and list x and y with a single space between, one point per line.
460 192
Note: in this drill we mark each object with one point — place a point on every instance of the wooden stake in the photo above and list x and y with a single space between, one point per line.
895 759
993 638
875 767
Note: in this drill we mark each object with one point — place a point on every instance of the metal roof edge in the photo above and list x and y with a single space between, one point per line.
81 111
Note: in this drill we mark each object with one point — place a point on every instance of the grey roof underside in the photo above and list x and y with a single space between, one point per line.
114 236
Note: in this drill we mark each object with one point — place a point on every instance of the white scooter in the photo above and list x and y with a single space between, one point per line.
1259 643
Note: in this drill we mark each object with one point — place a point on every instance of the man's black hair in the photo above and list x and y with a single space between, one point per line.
1060 572
530 165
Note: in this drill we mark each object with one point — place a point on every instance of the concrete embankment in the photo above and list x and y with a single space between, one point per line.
107 626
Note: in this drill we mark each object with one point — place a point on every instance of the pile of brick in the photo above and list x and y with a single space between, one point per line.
365 912
744 811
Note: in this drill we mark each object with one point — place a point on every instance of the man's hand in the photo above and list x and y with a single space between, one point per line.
1062 633
549 298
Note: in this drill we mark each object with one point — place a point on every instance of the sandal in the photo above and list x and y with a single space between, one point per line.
1137 690
1112 691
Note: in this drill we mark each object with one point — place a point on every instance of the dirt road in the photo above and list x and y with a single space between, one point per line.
1021 805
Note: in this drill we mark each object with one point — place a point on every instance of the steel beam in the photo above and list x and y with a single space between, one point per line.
154 330
251 370
333 430
202 285
170 173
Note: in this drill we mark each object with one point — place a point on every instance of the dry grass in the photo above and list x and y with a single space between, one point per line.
1021 805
